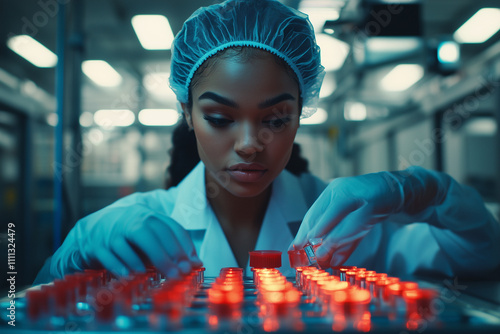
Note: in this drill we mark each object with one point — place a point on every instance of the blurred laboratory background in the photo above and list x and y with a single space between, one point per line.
86 114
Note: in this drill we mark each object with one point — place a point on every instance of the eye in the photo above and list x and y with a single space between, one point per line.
217 122
277 123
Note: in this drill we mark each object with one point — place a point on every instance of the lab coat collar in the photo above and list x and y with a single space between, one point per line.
191 207
287 205
193 211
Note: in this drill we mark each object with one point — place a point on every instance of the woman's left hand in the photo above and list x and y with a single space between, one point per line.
346 211
349 207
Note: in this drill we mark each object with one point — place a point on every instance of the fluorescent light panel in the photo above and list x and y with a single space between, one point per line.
101 73
114 117
393 44
333 52
328 87
355 111
449 52
319 117
320 11
158 117
153 31
157 84
86 119
52 119
32 50
318 16
480 27
402 77
481 126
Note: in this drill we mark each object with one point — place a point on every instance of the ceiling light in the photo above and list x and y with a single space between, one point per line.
158 117
318 16
101 73
333 52
328 87
319 117
481 126
32 50
157 84
402 77
153 31
52 119
480 27
448 52
354 111
114 117
393 44
86 119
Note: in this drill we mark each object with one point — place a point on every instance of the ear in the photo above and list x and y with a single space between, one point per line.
187 115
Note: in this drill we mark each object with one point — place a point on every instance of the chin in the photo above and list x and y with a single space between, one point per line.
247 190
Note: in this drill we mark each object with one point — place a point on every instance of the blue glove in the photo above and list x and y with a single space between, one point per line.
123 238
349 207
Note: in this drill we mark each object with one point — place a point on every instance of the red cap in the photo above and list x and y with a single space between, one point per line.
298 258
265 259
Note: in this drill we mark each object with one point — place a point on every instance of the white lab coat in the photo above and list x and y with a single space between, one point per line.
400 247
290 199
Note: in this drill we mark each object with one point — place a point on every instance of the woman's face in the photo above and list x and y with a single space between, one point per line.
245 116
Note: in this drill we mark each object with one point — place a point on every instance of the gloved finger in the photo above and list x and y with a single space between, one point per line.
334 217
348 232
146 240
182 236
112 263
340 255
313 215
122 250
321 219
177 246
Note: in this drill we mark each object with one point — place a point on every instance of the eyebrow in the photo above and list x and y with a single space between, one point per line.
275 100
230 103
217 98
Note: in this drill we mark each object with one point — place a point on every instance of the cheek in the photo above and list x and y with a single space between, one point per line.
211 144
280 147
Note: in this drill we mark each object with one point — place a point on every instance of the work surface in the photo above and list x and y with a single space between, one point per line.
458 307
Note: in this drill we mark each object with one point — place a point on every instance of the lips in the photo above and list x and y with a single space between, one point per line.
247 167
247 172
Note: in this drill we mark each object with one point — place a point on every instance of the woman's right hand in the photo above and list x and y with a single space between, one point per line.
122 239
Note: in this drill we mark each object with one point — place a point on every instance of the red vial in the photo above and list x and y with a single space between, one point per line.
419 306
265 259
36 304
298 258
350 309
200 275
372 280
224 306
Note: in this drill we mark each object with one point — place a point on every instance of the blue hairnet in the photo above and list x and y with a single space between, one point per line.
265 24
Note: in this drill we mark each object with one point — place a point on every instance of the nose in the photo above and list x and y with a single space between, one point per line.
247 142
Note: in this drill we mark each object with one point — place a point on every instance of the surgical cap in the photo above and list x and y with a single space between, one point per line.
264 24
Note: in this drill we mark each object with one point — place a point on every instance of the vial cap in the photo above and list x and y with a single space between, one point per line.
420 295
265 259
298 258
399 287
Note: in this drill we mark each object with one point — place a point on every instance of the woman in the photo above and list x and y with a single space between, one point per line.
244 73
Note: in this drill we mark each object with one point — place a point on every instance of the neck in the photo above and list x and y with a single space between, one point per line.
238 211
240 218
